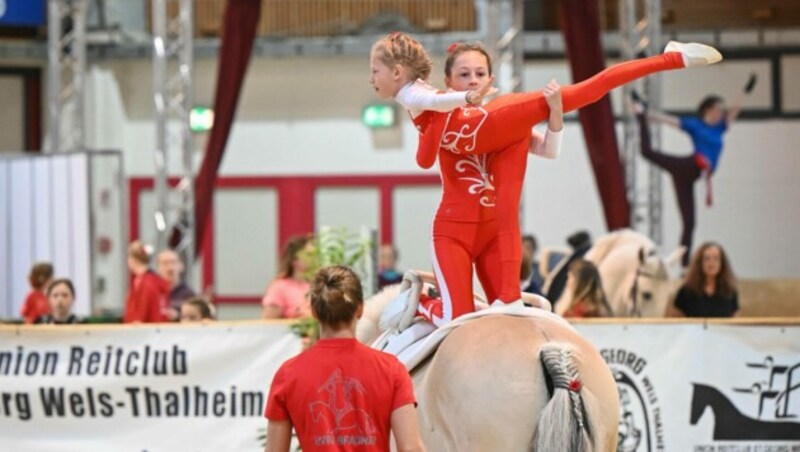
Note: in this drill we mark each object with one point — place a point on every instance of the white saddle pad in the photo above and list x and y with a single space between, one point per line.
422 338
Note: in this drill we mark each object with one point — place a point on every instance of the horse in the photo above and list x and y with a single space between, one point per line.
635 278
731 425
509 383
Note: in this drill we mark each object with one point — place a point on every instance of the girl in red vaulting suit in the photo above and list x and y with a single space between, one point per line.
467 225
399 66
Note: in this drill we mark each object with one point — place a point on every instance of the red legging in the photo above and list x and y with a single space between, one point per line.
503 125
456 247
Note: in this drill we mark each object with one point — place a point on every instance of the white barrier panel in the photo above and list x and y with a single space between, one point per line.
683 387
146 388
64 209
704 388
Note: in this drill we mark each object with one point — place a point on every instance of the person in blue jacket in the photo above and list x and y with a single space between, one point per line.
706 131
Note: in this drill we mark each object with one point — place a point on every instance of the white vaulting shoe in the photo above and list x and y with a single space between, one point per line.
694 54
512 307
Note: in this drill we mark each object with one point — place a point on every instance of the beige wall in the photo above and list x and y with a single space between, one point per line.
12 113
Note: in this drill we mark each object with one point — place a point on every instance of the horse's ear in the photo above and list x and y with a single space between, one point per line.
674 257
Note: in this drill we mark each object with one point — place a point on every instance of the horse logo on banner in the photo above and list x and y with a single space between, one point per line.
730 424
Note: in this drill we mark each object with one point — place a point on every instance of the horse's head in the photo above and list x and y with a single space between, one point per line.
368 327
699 402
651 287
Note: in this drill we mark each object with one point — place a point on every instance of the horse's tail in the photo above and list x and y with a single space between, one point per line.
564 424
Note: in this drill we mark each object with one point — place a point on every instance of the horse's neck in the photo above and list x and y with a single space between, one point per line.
720 405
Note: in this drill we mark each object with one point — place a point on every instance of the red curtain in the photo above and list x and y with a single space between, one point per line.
580 24
241 19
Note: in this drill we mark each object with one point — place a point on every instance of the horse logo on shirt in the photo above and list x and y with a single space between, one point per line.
338 414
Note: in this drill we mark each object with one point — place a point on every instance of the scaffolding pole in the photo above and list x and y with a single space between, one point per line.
640 33
172 96
504 38
66 42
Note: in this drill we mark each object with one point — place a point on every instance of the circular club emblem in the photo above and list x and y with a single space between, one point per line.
640 423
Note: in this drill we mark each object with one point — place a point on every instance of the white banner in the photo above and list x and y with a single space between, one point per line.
704 388
683 387
138 388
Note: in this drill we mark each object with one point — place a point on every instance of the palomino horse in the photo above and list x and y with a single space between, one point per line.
635 278
508 383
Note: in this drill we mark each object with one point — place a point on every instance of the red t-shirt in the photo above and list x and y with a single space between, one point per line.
339 396
147 300
36 305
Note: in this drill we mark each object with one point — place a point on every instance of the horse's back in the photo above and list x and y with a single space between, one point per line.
485 387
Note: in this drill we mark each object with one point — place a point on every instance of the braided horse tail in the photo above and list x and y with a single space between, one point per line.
564 425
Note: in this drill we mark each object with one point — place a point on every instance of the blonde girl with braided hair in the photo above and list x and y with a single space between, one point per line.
400 67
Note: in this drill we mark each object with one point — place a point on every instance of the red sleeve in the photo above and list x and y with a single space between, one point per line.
155 303
27 308
403 387
276 401
428 147
426 155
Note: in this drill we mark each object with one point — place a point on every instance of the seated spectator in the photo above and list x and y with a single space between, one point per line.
709 289
170 268
527 284
287 294
580 242
61 295
387 265
531 280
147 296
197 309
36 304
588 298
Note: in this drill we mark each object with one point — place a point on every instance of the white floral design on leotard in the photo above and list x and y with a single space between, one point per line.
482 181
451 141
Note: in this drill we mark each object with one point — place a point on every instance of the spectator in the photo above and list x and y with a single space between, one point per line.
530 279
387 264
710 286
196 309
170 268
588 298
580 242
61 295
147 297
377 388
286 296
36 304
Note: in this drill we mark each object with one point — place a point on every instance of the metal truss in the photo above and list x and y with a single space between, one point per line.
640 34
66 42
504 36
172 95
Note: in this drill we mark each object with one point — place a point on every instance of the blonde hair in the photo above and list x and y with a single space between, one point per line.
399 48
139 252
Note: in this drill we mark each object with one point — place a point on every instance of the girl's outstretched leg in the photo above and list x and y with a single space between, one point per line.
509 118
